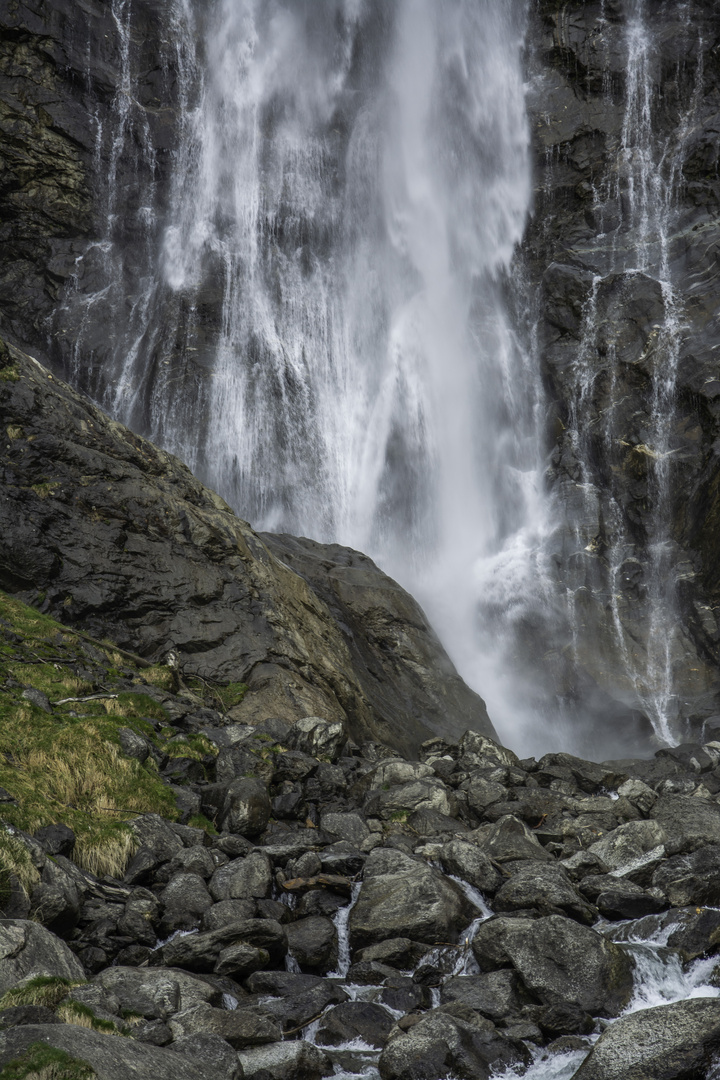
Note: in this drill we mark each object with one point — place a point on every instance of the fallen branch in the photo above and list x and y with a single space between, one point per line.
91 697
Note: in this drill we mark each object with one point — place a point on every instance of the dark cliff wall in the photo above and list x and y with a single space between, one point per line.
619 258
622 248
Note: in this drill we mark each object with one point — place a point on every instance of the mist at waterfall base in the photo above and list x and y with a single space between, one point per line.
334 329
371 163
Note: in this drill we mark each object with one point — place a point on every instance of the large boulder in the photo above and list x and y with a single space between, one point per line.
246 807
156 993
110 1057
27 949
299 1060
315 631
689 823
455 1043
559 961
243 879
670 1042
546 887
691 879
410 900
628 844
203 952
239 1027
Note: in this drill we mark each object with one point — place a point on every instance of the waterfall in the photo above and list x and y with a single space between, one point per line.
322 329
307 285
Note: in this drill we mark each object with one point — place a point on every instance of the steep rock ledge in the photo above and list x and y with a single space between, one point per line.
109 533
624 102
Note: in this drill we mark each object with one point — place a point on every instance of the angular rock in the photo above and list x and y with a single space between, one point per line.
414 901
200 952
111 1057
56 839
559 961
509 840
319 739
545 887
299 1060
155 994
27 949
495 994
228 911
688 823
313 942
691 879
185 899
243 879
442 1044
627 844
349 827
670 1042
212 1052
619 899
355 1020
246 807
239 1027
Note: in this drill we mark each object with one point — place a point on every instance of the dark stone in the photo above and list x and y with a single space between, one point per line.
559 961
56 839
313 943
446 1043
27 1014
670 1042
355 1020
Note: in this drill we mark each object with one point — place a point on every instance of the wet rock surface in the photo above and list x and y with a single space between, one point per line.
77 485
627 298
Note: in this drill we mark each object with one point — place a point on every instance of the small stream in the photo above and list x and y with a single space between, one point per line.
660 979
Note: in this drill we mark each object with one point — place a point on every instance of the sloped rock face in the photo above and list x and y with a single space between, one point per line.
121 539
63 100
624 102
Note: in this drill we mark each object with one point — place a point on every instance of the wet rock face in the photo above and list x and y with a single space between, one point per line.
121 539
62 97
623 103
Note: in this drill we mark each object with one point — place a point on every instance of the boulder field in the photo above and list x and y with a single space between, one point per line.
464 914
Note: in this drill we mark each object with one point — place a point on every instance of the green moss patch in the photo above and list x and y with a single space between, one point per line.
66 765
42 1062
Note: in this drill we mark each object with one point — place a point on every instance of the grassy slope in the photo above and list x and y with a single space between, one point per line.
65 765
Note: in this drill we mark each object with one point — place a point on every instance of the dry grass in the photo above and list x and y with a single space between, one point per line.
73 1012
15 859
47 990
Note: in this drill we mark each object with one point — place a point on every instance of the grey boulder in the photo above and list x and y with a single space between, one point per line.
459 1044
299 1060
670 1042
27 949
559 961
109 1056
411 900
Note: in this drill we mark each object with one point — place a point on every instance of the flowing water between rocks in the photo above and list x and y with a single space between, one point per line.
659 979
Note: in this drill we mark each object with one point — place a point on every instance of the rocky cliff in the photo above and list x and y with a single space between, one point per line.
616 282
109 533
625 100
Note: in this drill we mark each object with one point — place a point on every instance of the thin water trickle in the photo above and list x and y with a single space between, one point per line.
341 919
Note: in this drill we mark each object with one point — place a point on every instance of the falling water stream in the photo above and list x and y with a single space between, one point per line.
321 309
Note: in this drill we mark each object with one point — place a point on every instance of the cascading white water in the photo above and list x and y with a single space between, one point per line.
313 309
348 195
